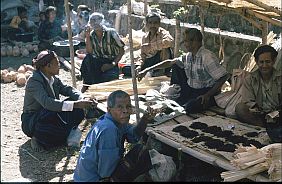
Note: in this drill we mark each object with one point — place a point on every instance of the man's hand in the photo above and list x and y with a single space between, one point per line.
106 67
140 75
81 104
204 100
87 31
146 47
150 114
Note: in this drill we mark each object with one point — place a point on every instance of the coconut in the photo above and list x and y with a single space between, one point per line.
16 51
8 78
14 75
29 47
9 50
21 80
25 52
22 69
28 67
3 51
3 74
28 74
35 48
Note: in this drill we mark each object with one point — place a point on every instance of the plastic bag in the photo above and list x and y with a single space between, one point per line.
74 137
164 167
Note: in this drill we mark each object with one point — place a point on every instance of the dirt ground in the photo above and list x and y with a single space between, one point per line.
18 161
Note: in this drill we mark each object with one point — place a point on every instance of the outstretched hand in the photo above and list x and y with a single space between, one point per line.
85 103
140 74
204 100
150 113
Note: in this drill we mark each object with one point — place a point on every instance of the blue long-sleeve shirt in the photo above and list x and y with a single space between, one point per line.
102 149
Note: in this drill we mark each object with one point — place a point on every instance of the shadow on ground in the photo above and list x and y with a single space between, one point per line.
46 165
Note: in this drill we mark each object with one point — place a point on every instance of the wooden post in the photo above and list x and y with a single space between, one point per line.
264 32
133 74
67 10
202 24
177 37
145 7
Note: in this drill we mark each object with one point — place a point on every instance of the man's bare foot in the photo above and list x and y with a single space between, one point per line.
35 145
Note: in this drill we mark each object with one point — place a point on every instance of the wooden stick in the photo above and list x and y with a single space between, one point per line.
30 154
67 10
134 82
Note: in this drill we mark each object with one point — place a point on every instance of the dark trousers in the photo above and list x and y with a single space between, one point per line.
52 128
136 162
188 95
91 70
154 60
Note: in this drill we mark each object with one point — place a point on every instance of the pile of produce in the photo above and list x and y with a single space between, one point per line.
250 161
20 76
18 49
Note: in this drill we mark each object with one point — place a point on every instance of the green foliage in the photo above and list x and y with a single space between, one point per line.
180 12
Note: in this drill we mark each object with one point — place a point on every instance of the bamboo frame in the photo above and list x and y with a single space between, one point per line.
204 156
266 7
265 18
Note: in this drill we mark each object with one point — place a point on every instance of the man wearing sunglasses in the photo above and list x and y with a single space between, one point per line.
198 73
46 118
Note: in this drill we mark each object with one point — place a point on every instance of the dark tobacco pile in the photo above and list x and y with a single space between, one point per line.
200 139
185 132
227 148
214 143
212 129
251 134
198 125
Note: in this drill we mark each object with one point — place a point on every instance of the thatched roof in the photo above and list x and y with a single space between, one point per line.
266 10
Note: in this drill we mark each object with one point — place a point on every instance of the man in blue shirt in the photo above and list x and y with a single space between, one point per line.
103 148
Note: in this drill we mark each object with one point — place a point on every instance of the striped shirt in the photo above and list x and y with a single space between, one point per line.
109 45
203 70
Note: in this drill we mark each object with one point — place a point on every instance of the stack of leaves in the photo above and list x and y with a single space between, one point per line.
250 161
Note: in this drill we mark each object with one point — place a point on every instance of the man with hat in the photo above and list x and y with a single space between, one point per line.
105 49
46 118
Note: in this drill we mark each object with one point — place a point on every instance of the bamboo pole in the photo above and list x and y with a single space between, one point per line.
133 74
177 37
264 32
266 7
145 7
202 24
67 10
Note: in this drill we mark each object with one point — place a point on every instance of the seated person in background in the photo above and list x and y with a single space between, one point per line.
261 90
101 156
45 118
105 49
156 45
50 30
73 17
20 24
83 20
83 12
198 73
42 18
